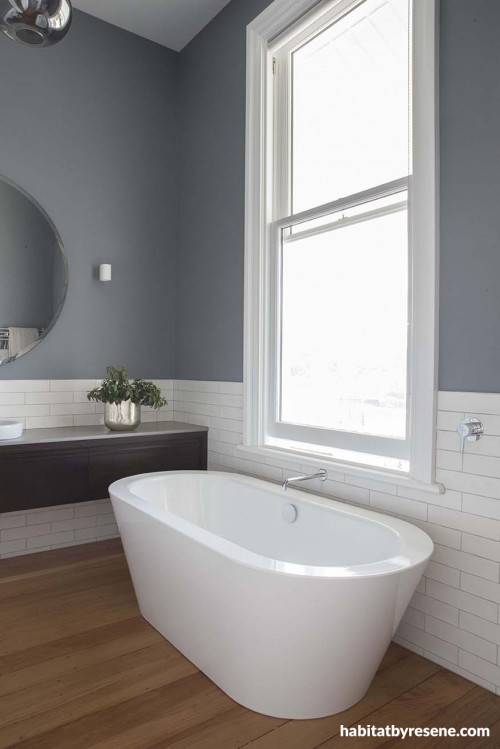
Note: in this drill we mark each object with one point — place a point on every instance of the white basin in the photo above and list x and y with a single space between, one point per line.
10 429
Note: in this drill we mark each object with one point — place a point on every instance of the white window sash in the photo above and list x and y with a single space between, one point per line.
386 190
328 437
278 16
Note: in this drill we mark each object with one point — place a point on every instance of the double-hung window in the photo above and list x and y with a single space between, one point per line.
341 247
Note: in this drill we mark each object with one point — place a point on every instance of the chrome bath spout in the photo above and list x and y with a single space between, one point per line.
321 475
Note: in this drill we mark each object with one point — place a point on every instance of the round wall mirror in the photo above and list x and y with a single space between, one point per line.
33 273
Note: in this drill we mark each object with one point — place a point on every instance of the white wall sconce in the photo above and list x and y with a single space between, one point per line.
105 272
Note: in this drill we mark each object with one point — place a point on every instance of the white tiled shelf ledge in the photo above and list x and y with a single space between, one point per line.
98 432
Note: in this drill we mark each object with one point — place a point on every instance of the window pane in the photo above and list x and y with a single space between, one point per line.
344 327
350 106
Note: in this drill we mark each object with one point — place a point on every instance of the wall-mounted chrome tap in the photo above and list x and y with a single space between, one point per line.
321 475
470 429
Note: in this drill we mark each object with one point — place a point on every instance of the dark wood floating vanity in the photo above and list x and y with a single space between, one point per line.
48 467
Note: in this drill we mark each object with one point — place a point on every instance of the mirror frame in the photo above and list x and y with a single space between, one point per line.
62 250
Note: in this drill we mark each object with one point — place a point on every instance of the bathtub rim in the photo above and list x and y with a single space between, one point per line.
416 550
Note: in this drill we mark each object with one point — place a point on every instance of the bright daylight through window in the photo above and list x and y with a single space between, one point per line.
341 248
342 272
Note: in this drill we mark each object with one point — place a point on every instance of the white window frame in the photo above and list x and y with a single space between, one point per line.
259 212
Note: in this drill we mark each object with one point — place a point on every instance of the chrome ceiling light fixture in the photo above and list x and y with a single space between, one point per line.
38 23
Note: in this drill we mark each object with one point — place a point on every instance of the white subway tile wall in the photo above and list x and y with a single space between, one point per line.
55 527
41 404
454 616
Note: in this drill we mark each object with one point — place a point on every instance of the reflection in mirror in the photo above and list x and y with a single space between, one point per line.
33 273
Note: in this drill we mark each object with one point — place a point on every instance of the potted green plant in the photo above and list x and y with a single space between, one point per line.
123 399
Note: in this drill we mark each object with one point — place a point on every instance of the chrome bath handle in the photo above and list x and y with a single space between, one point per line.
470 429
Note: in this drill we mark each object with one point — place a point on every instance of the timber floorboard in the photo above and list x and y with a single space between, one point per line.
81 669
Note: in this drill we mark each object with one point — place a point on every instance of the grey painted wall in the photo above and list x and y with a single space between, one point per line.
210 260
89 128
211 197
28 248
470 196
98 149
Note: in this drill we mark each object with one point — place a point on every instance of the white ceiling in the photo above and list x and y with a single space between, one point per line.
172 23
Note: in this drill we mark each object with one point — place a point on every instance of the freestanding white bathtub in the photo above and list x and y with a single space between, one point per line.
290 619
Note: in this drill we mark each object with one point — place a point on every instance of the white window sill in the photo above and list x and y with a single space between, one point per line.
348 469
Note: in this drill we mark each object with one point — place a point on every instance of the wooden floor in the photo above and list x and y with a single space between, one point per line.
80 669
